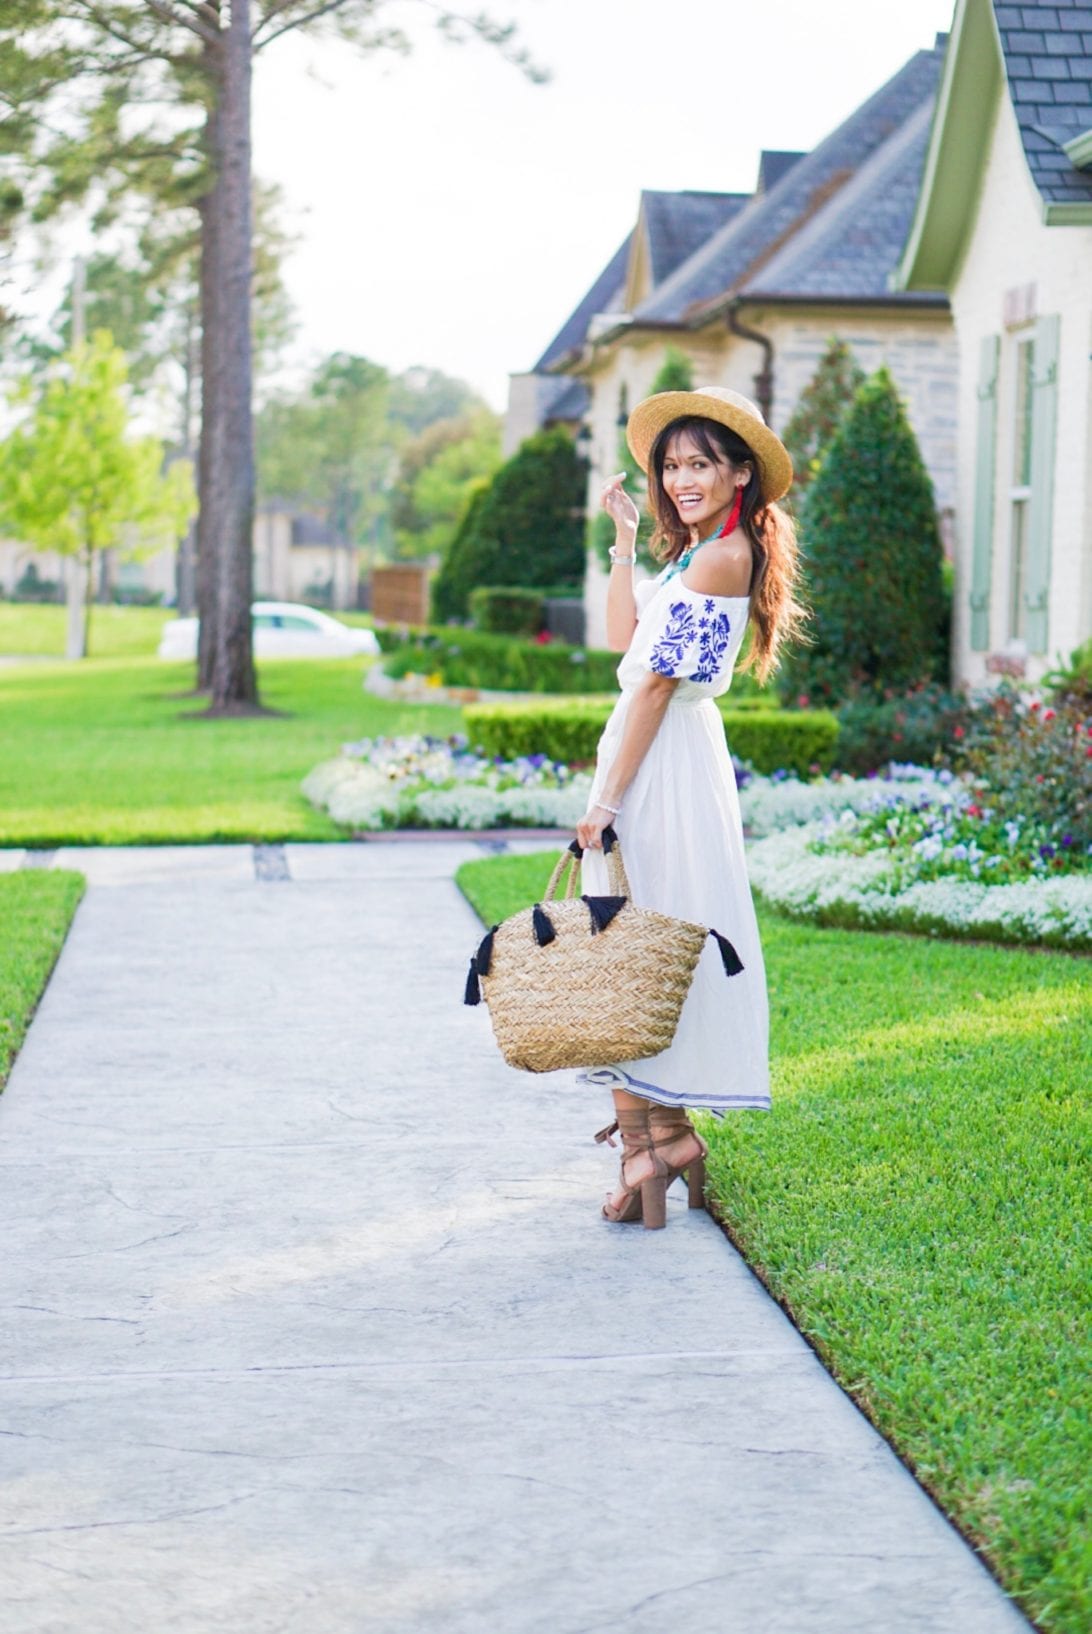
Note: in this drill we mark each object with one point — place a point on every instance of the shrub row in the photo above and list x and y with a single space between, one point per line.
507 610
475 658
770 740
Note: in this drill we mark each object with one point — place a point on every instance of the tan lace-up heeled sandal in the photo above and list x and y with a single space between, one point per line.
667 1126
647 1200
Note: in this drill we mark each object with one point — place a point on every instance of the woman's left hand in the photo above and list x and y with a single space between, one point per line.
589 830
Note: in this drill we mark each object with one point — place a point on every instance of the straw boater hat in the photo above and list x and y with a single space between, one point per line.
733 410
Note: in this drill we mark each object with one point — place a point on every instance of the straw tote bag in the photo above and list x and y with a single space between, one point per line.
590 980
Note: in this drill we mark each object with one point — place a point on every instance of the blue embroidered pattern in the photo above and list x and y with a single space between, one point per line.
711 632
679 633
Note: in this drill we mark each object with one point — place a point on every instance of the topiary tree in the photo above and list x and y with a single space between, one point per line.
524 528
467 556
676 373
818 414
872 558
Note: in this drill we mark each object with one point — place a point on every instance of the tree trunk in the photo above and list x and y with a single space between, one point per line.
75 585
205 573
228 443
186 560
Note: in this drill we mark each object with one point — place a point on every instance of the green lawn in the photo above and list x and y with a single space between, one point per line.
918 1201
35 912
30 630
107 752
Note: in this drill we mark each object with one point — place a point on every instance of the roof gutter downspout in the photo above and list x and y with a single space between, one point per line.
764 380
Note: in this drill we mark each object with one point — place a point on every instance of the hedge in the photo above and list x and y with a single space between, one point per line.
770 740
507 609
474 658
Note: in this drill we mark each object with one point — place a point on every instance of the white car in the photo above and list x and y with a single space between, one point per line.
282 629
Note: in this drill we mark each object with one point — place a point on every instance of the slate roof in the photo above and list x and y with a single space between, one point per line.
562 397
740 257
1048 63
680 223
773 164
849 248
605 295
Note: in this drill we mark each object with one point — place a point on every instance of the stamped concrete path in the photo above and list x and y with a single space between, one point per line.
310 1325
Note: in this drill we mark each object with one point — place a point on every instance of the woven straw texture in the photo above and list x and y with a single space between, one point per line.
589 998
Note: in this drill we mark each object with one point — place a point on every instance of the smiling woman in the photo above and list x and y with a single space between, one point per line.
664 776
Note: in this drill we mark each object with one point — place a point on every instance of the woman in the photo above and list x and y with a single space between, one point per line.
664 776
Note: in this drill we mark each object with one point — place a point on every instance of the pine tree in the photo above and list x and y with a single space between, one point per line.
819 412
524 528
872 557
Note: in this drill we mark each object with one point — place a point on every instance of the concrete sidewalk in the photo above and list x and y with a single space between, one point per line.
312 1328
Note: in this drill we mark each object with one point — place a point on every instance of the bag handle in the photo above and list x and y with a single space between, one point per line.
571 858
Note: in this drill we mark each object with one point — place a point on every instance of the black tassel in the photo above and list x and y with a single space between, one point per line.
576 848
544 930
484 956
610 840
731 960
473 994
603 910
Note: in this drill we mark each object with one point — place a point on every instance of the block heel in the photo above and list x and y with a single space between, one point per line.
654 1202
695 1180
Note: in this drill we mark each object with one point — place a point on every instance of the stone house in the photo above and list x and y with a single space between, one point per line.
1003 226
751 287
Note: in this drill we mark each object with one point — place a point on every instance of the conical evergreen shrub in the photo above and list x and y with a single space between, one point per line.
525 527
818 414
872 558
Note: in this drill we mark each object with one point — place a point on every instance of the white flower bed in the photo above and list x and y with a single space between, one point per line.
772 803
386 783
840 888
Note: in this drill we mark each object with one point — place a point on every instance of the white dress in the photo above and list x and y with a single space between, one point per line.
682 840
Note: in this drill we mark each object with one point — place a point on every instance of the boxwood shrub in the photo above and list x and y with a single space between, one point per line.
507 609
476 658
770 740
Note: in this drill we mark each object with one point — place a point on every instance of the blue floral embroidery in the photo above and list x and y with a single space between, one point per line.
711 633
667 654
712 645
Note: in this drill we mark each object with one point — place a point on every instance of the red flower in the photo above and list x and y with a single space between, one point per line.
1035 706
973 811
1048 715
957 731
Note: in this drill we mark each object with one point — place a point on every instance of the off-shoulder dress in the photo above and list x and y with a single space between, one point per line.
682 838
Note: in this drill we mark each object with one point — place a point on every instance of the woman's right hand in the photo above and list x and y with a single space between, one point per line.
620 508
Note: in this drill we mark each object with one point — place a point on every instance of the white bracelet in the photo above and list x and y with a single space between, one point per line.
614 810
619 561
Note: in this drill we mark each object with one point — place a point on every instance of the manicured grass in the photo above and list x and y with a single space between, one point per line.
110 752
28 629
918 1201
35 912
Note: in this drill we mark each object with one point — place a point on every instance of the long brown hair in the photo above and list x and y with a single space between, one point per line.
777 615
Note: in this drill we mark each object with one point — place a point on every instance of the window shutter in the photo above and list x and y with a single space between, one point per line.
985 458
1044 418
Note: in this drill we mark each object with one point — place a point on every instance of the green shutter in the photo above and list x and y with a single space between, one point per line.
1044 419
985 458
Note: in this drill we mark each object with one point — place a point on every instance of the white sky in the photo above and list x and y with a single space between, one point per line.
452 214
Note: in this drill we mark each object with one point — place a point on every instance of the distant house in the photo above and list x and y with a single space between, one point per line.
751 287
1004 226
297 557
